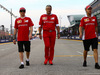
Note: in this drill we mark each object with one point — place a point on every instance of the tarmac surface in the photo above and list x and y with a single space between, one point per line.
68 59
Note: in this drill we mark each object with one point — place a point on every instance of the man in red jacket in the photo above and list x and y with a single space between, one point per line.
49 22
23 24
90 35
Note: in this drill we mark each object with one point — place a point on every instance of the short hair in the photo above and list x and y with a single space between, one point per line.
49 6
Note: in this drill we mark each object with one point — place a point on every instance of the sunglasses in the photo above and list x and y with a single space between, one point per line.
22 10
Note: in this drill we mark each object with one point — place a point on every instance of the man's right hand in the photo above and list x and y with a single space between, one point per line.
14 41
40 36
80 36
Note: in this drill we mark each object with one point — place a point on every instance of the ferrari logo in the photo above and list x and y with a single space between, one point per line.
86 20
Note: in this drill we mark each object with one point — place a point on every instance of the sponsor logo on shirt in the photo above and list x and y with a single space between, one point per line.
90 24
49 22
25 20
19 21
86 20
52 18
93 19
22 25
44 18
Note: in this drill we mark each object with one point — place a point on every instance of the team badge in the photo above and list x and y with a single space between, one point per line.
93 19
52 18
44 18
19 21
25 20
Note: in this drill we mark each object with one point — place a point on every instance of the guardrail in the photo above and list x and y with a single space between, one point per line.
76 37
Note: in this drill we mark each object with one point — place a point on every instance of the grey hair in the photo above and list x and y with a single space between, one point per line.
49 6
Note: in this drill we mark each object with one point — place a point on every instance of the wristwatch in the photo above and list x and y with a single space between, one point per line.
58 33
39 33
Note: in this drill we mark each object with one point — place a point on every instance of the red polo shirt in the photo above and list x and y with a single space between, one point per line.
23 24
48 22
89 25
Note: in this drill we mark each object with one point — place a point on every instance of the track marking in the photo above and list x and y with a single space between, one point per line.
72 55
5 43
80 52
76 40
93 73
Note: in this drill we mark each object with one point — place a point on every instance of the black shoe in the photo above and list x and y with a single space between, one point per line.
97 66
84 64
21 66
27 63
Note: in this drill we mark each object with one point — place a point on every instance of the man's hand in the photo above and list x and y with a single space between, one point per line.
40 36
97 35
80 36
58 36
14 41
30 36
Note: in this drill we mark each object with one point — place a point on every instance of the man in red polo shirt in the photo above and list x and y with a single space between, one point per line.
90 35
22 25
49 22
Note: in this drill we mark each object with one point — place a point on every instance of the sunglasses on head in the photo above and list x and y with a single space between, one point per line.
22 10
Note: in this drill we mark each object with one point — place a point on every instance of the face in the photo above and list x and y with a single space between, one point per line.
22 13
89 10
48 10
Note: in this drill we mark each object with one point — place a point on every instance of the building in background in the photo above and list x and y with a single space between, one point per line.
73 29
96 11
4 34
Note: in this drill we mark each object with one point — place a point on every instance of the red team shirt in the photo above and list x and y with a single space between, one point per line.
48 22
23 24
89 25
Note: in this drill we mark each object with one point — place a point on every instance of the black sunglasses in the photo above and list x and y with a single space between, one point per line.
22 10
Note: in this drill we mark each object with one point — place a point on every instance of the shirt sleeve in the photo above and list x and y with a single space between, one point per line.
30 23
96 23
57 23
40 22
16 25
82 23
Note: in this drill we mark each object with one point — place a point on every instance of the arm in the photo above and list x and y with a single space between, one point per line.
81 27
80 32
58 30
96 29
40 29
31 31
14 36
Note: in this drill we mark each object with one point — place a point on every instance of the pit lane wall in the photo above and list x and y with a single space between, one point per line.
76 37
6 40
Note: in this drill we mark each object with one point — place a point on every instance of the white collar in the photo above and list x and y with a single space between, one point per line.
87 16
23 17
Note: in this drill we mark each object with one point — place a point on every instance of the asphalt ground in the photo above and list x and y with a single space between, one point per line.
68 59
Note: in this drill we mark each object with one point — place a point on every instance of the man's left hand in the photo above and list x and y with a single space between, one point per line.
58 36
30 36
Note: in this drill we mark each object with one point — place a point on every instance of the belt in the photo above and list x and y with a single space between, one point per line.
49 30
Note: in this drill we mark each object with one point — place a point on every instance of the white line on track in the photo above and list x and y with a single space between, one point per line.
80 52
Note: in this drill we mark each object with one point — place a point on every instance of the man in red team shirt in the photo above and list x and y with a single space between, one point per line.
90 35
49 22
22 25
